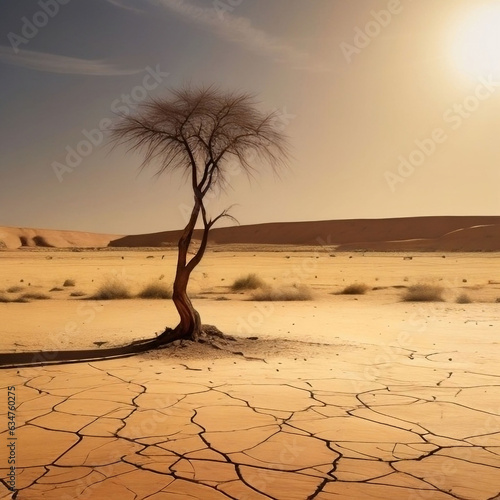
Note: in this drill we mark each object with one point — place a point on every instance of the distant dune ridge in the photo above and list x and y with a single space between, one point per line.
443 233
17 237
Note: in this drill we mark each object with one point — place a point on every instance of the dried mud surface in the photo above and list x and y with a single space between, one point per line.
260 419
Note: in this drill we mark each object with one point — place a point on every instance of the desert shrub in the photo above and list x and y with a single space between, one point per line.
249 282
56 289
77 294
355 289
112 289
15 289
424 293
156 291
69 282
463 298
34 296
294 292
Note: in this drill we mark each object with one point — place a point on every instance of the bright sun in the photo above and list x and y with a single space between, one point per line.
477 45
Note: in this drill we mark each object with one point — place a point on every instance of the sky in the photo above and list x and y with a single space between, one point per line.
391 107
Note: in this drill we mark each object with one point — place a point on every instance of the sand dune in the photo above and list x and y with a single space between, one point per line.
469 239
461 233
17 237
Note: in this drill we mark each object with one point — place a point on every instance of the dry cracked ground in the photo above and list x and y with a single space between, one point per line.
289 420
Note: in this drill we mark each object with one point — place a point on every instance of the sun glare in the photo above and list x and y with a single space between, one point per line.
477 44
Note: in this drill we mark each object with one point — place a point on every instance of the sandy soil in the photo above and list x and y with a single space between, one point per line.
340 397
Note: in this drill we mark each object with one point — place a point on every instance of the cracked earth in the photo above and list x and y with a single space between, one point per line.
192 422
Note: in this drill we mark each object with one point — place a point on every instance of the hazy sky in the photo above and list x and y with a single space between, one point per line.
392 107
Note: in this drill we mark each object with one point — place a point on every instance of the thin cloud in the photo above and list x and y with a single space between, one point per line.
119 3
52 63
239 30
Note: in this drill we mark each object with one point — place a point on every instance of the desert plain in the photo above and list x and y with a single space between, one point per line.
341 396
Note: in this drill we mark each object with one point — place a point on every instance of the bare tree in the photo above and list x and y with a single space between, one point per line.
200 131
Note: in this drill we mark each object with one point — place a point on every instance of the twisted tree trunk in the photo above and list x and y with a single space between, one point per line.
189 326
190 323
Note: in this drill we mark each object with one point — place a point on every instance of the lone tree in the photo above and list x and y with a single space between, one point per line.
200 131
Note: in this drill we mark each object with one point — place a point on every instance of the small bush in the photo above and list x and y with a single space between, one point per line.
355 289
155 291
34 296
249 282
15 289
295 292
69 282
463 298
77 294
112 289
424 293
56 289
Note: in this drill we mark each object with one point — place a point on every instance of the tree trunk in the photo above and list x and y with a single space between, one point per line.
190 322
189 326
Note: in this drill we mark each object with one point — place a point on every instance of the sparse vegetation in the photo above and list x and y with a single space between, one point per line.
34 296
20 300
56 289
291 293
156 291
463 298
69 282
112 289
355 289
4 299
249 282
424 293
77 294
15 289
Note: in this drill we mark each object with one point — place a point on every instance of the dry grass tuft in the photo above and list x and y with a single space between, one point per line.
112 289
156 291
291 293
463 298
34 296
424 293
249 282
355 289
